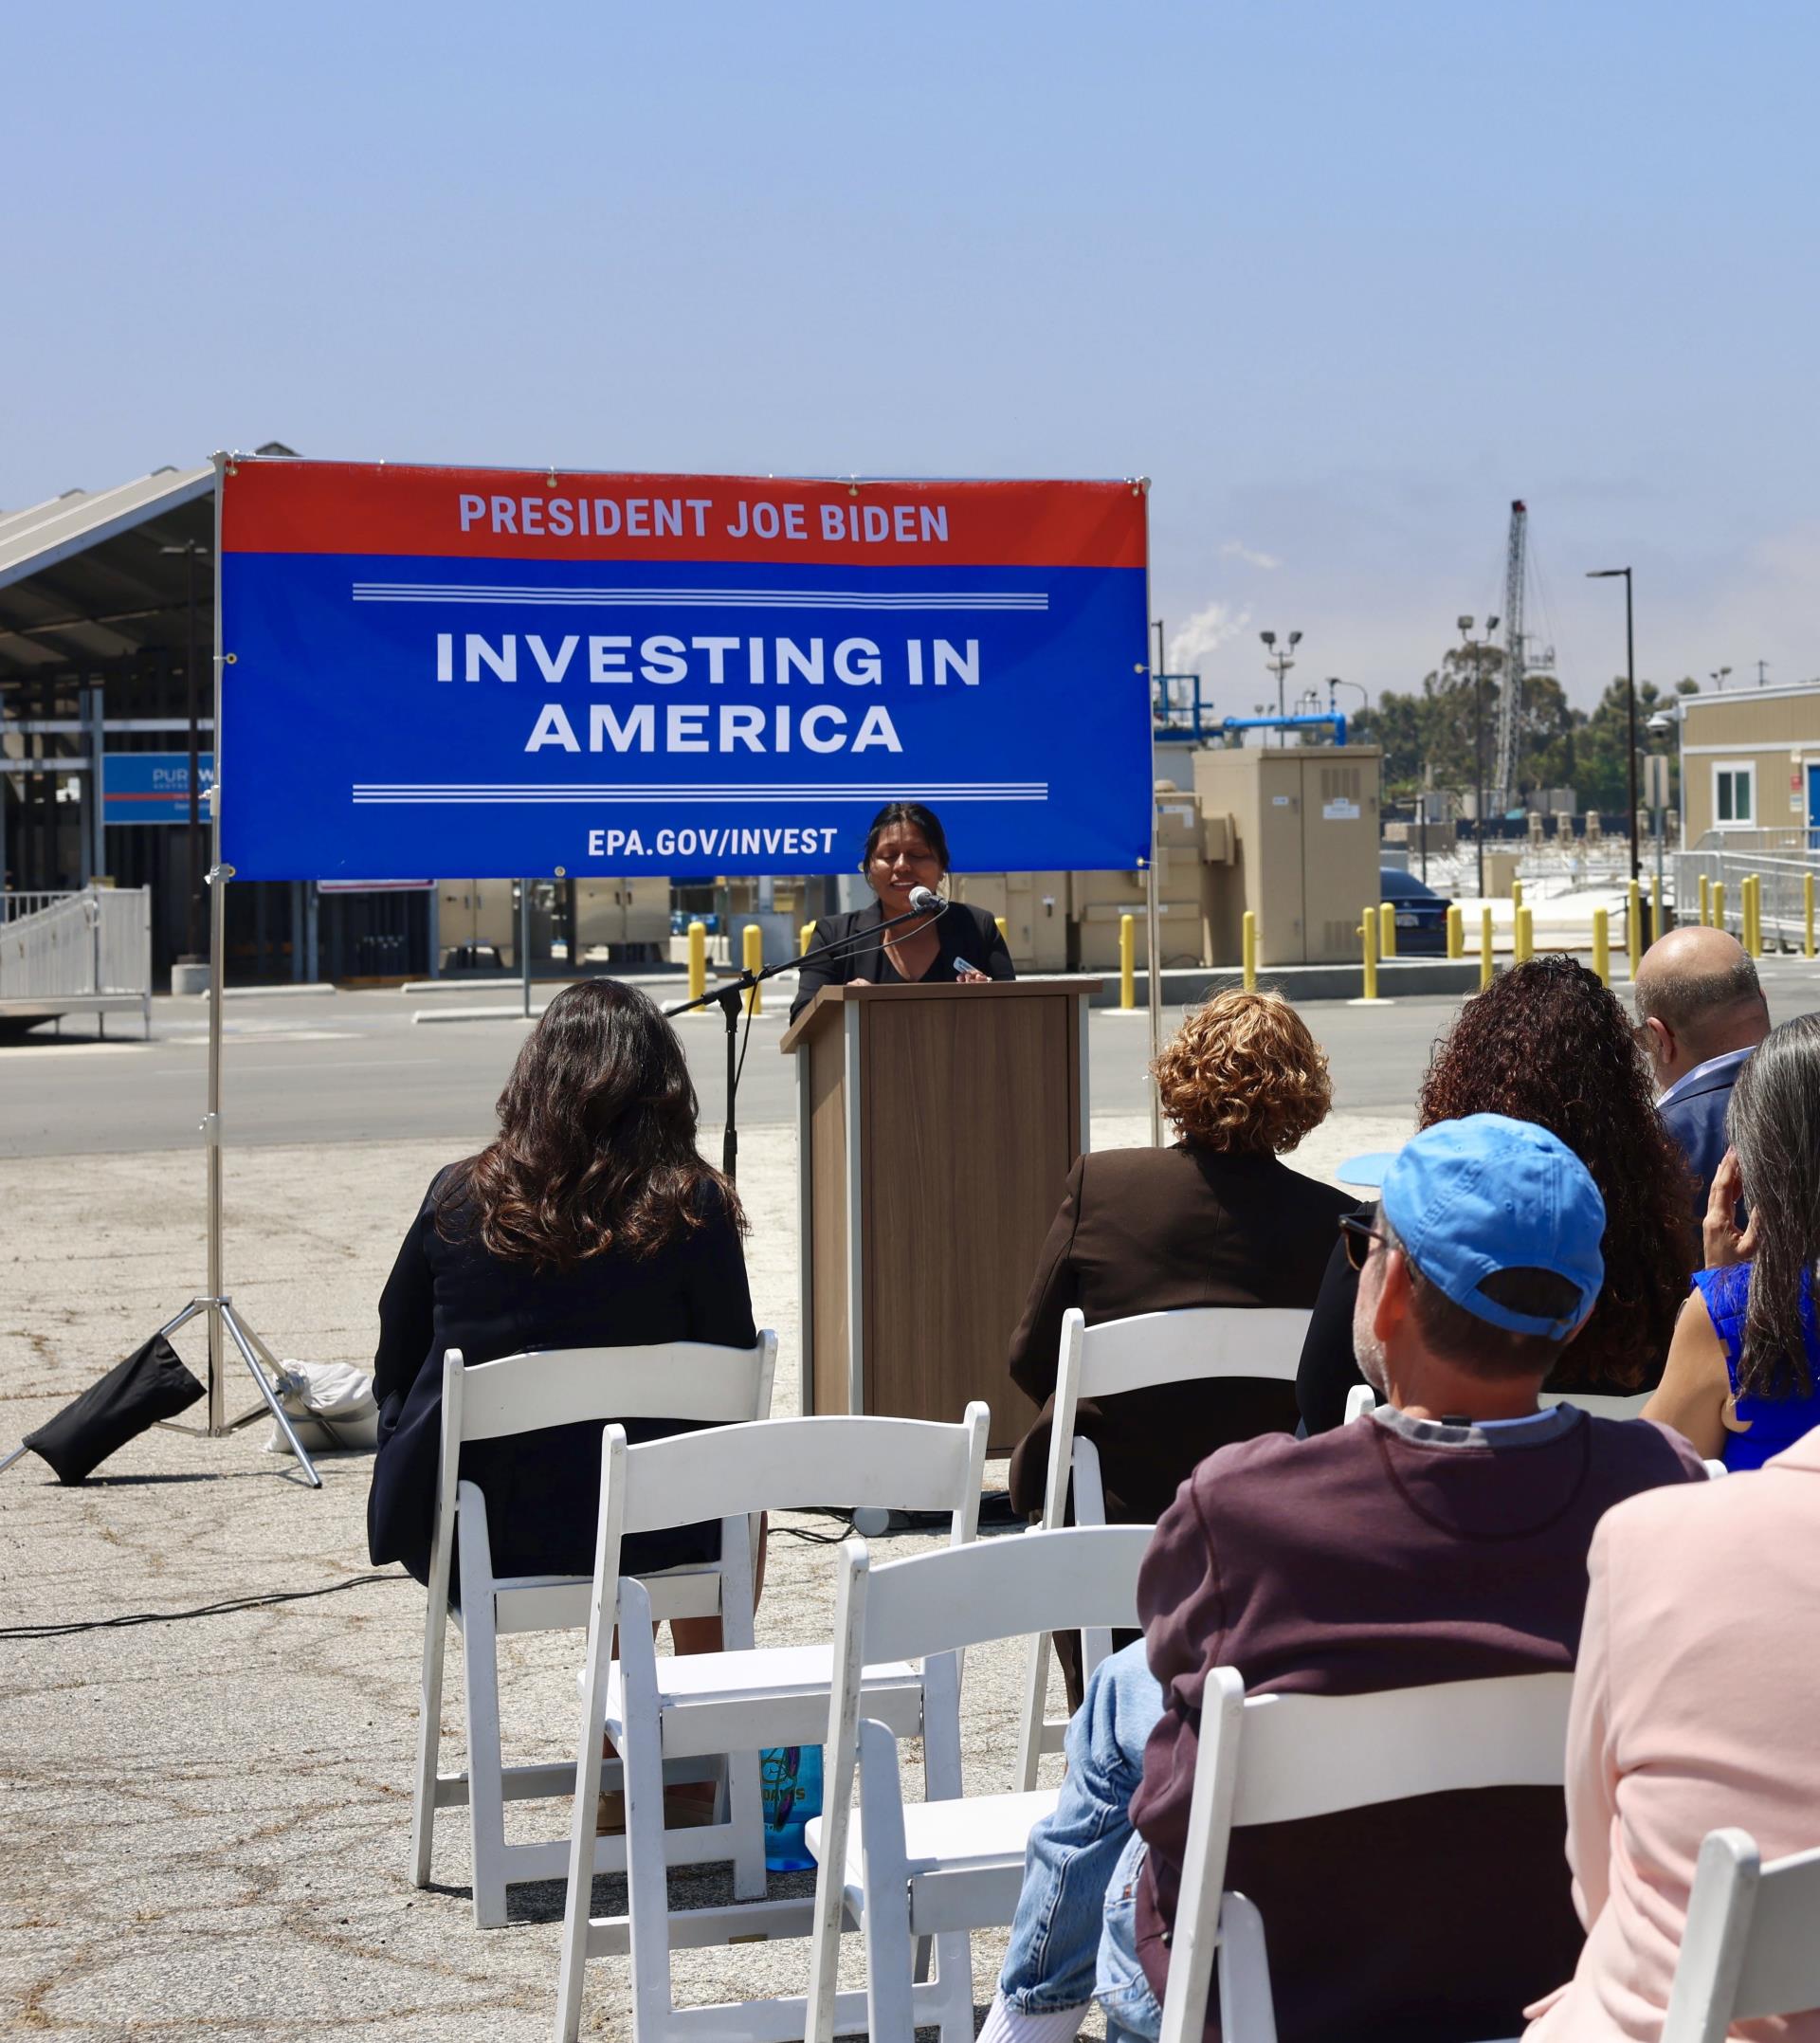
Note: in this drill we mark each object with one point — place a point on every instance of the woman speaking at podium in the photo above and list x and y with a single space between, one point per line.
905 848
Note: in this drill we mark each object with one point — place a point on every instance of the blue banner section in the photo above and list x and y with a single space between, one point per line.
388 717
151 787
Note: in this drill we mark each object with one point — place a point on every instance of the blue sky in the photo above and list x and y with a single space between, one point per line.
1341 279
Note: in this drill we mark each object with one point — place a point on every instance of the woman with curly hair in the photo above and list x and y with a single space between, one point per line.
1545 1041
591 1220
1216 1220
1745 1362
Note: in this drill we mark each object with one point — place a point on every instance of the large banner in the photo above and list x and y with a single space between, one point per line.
494 673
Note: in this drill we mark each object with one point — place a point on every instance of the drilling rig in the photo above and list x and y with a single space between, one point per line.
1519 662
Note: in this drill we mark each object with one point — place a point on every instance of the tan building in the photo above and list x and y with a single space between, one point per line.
1750 761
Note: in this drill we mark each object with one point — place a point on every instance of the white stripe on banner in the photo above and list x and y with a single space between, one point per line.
393 794
803 599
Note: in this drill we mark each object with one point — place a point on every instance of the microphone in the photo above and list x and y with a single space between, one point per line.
924 901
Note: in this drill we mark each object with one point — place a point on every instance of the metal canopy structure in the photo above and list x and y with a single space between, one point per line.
84 577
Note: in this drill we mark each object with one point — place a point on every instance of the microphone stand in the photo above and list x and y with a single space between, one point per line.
729 997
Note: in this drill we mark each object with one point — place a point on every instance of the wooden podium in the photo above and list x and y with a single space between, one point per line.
935 1127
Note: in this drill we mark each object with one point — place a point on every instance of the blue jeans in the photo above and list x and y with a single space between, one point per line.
1073 1934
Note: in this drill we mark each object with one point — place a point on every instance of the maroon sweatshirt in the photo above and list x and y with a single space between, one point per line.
1385 1555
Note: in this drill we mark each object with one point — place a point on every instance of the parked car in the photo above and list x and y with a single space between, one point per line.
1421 913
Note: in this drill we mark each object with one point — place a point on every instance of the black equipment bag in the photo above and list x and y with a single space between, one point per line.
152 1384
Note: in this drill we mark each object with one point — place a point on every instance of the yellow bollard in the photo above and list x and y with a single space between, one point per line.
1807 909
1249 942
805 936
1456 930
698 959
1754 942
1719 904
1386 929
1525 935
1601 946
1127 960
1003 933
753 943
1632 930
1655 909
1705 900
1368 935
1485 948
1515 895
1745 916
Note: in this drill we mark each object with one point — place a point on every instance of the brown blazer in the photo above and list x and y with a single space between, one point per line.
1152 1230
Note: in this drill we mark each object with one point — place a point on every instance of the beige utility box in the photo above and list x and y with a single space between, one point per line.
611 912
1501 874
479 912
1304 852
1101 900
1033 907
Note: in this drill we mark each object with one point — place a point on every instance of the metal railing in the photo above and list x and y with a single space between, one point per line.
56 946
1782 875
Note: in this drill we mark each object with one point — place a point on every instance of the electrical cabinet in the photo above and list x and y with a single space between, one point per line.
1304 850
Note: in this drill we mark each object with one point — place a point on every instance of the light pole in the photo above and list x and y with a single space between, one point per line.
1718 677
192 550
1666 723
1475 647
1607 575
1279 663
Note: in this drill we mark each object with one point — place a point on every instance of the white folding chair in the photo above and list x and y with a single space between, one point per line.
671 1713
1193 1344
1278 1759
1749 1949
518 1394
949 1864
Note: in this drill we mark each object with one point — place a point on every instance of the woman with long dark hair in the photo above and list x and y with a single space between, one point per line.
905 848
1545 1041
1745 1362
590 1221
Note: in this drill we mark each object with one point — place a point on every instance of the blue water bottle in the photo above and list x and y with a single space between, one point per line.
790 1780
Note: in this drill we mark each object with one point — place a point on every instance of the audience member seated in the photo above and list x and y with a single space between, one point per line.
1692 1710
1745 1363
1547 1043
590 1221
1445 1540
1216 1220
1701 1012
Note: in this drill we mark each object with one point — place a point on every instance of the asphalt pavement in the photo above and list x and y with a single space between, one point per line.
359 1067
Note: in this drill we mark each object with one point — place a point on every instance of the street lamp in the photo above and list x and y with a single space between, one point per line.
1607 575
1279 663
192 550
1475 646
1718 677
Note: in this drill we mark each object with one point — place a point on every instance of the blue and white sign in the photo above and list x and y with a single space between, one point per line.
498 674
151 787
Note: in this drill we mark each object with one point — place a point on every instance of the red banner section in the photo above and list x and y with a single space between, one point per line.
273 506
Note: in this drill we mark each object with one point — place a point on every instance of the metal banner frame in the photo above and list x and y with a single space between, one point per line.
226 1326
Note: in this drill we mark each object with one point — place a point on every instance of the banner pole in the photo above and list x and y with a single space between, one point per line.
1152 938
217 966
524 942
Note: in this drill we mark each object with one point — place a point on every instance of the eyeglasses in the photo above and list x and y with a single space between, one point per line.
1355 1237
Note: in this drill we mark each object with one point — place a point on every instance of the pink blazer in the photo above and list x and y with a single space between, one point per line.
1693 1708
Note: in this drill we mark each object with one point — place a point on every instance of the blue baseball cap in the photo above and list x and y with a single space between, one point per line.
1471 1197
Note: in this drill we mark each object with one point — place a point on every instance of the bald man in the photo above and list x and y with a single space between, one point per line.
1701 1012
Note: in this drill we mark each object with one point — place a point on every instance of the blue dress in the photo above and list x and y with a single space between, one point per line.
1775 1422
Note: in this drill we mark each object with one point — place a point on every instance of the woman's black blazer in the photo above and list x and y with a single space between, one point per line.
542 1489
961 931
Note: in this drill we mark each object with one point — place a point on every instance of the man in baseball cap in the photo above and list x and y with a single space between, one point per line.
1443 1539
1490 1232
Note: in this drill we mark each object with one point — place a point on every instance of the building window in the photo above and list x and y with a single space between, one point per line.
1733 793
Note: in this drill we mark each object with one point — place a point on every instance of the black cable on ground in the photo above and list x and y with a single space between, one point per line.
206 1610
